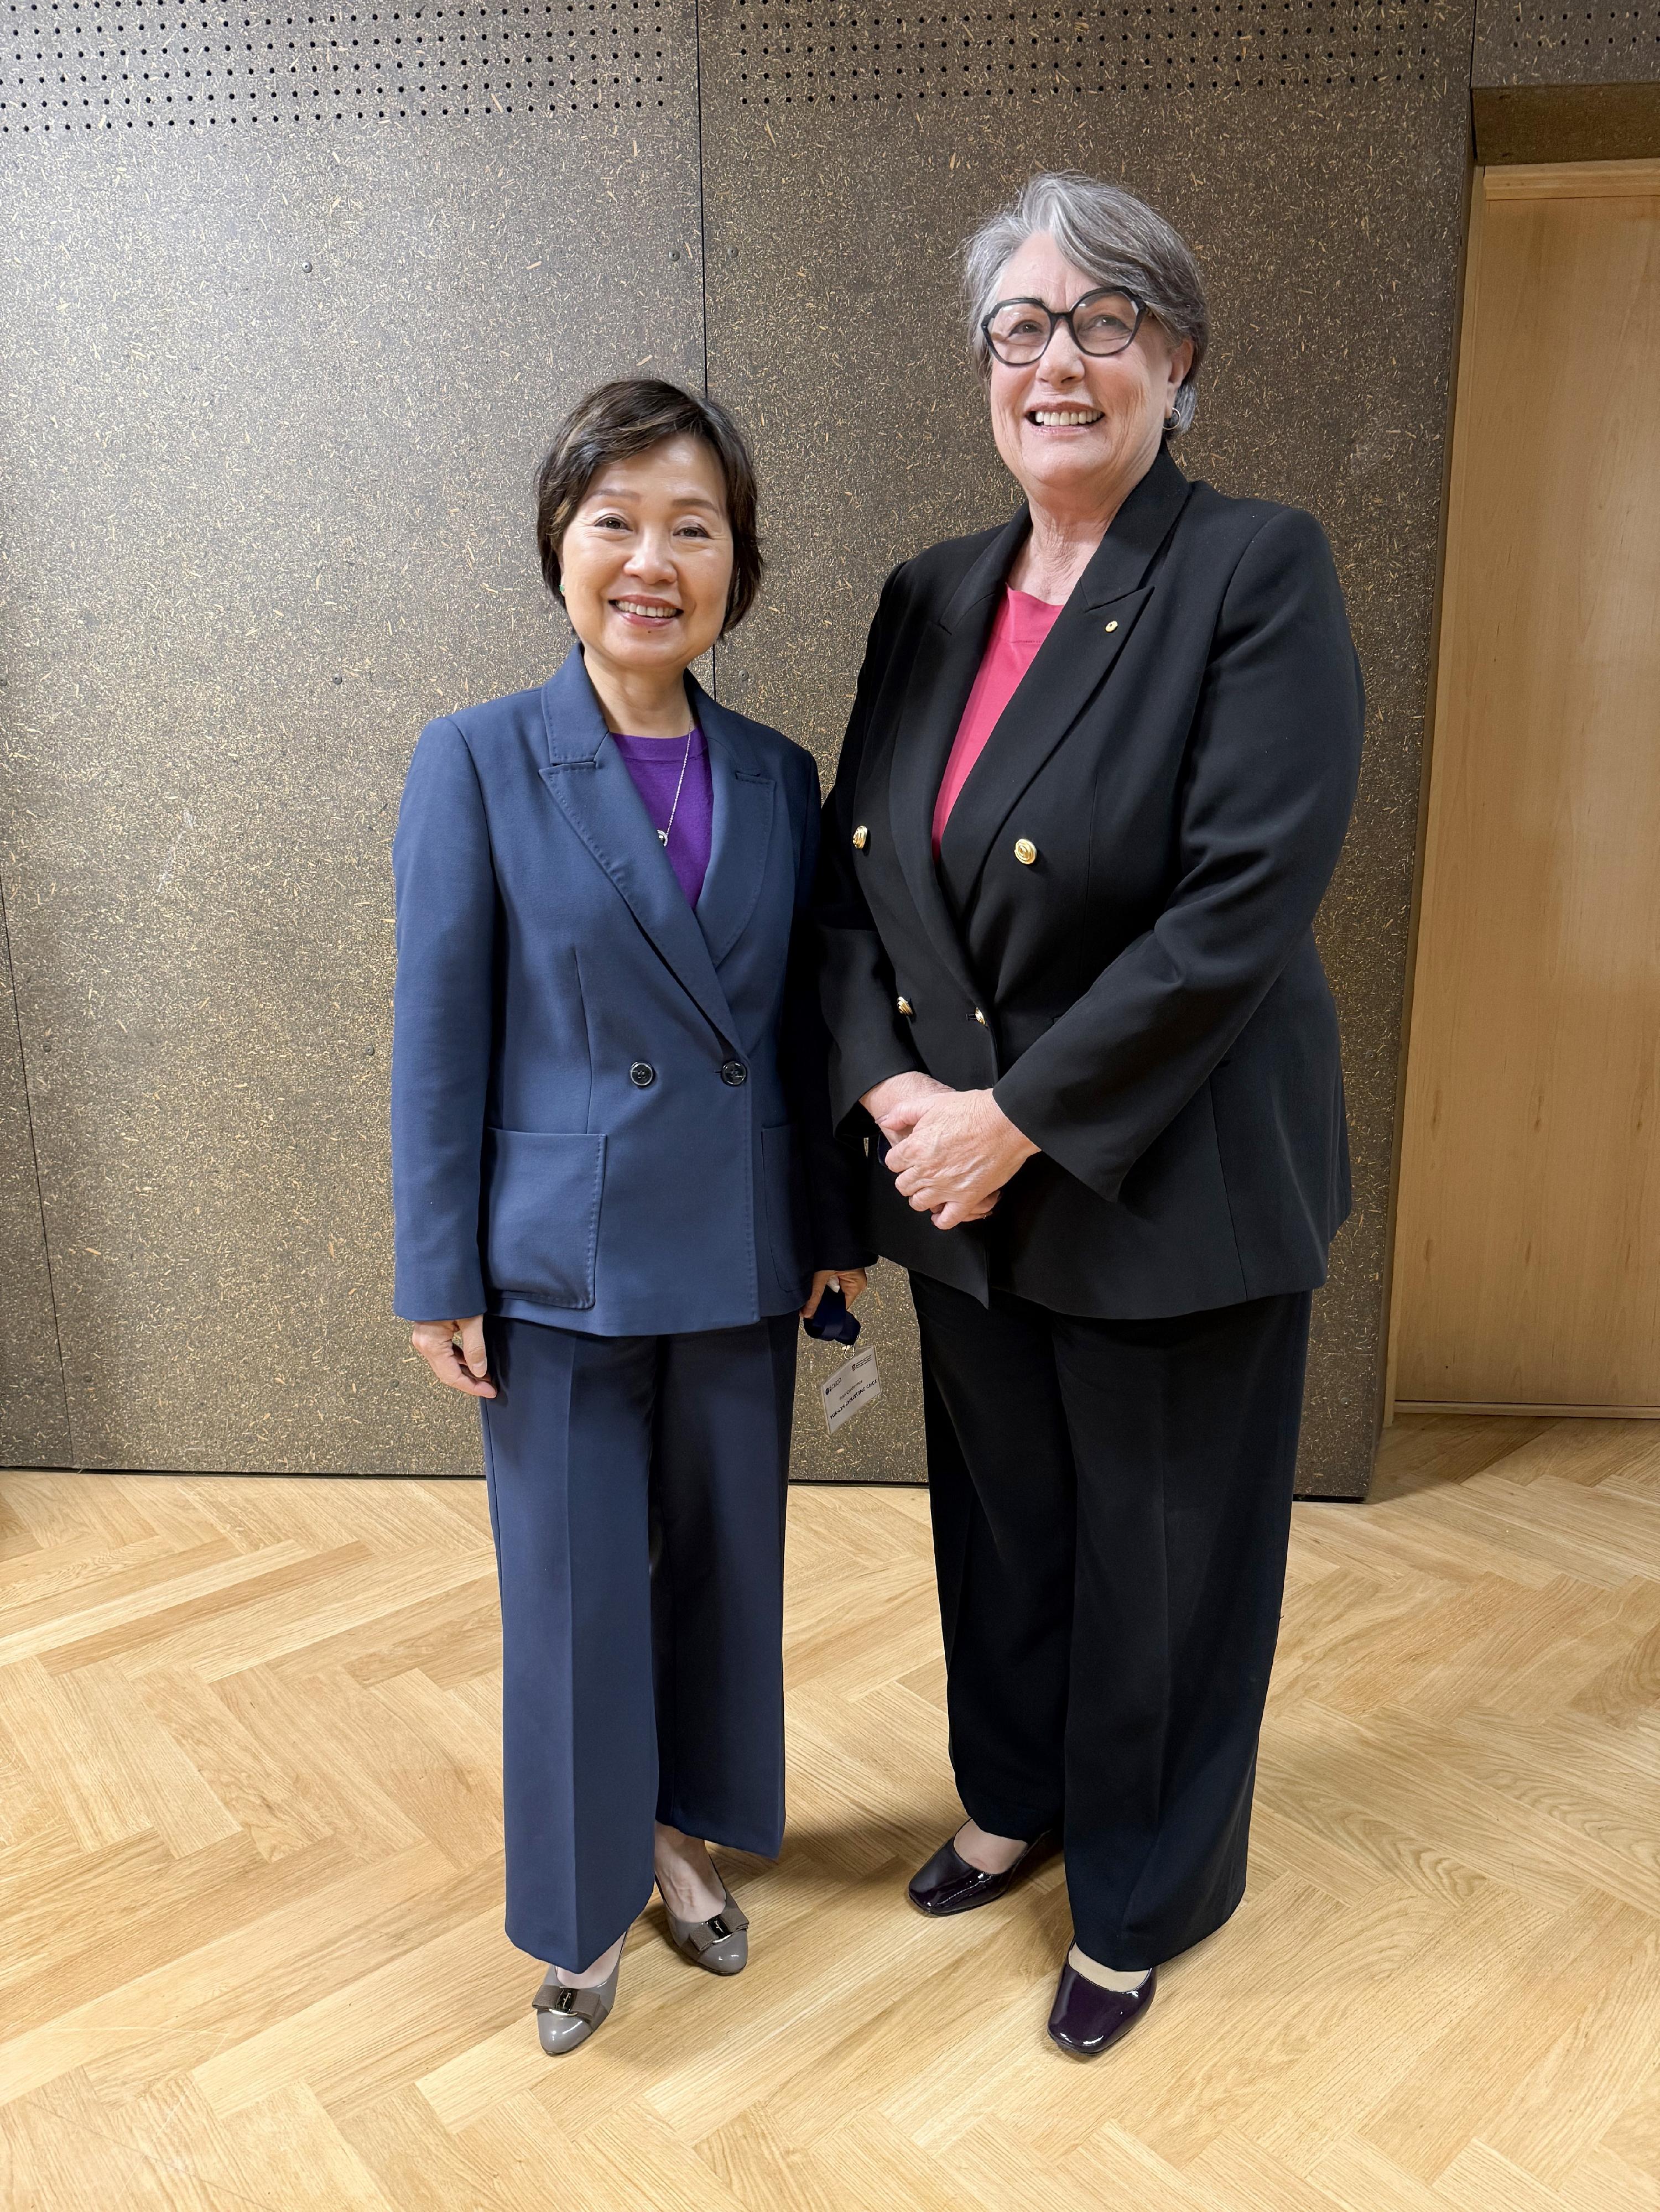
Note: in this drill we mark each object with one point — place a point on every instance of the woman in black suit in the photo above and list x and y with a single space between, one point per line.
1098 774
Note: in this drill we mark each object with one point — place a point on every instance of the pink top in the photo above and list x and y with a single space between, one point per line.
1022 625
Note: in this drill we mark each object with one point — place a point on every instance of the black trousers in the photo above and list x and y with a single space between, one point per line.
1111 1504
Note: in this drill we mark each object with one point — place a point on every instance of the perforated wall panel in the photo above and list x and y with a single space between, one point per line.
144 65
812 52
273 403
268 418
1315 157
1544 42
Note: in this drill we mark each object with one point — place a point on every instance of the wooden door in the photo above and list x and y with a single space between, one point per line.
1527 1251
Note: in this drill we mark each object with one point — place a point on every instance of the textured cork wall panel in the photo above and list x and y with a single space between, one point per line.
1534 122
274 399
139 66
1545 42
1324 194
33 1428
286 320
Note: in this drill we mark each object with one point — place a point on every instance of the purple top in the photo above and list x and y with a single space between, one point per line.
655 764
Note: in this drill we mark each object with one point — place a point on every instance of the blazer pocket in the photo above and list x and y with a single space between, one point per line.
541 1224
786 1193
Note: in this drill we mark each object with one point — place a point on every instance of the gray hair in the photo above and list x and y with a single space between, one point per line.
1115 238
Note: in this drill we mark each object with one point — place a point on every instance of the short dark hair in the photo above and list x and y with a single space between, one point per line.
630 416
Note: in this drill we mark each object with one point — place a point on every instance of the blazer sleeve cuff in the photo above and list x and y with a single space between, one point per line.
436 1298
851 1078
1030 1107
850 1255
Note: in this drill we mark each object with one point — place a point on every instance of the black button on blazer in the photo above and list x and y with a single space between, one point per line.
1144 997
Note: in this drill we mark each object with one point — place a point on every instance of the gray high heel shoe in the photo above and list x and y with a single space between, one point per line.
566 2017
720 1945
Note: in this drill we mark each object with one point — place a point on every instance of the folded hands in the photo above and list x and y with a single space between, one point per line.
950 1151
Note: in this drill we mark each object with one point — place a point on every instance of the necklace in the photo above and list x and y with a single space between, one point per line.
663 834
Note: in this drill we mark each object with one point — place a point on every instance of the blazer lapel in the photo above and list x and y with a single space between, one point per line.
1070 667
595 792
745 797
942 674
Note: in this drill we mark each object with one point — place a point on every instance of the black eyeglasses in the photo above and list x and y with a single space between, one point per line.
1102 324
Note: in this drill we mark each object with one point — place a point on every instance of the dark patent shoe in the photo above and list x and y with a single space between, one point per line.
1086 2018
949 1884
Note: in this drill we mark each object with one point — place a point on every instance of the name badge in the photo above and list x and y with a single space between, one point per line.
854 1385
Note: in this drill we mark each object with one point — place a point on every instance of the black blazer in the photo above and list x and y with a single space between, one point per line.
1143 996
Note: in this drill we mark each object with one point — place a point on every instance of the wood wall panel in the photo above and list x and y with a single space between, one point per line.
1528 1248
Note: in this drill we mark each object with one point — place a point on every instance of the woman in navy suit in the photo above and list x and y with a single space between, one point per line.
616 1187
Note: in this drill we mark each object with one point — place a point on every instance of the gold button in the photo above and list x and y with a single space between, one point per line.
860 838
979 1017
904 1005
1111 626
1024 851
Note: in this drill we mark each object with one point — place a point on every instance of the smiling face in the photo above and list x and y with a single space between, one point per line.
646 563
1074 429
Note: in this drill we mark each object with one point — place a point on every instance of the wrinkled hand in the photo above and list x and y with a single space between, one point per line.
896 1104
961 1150
852 1282
463 1366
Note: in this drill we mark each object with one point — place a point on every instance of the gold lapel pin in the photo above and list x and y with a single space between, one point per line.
1024 851
860 838
1112 626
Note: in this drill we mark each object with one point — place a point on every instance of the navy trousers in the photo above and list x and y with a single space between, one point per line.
1112 1506
636 1493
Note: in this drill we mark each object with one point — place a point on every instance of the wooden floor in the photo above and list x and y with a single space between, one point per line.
249 1858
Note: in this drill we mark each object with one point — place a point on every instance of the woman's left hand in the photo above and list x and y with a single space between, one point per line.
958 1157
852 1282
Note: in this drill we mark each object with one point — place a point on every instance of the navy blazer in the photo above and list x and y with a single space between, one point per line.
1117 939
608 1112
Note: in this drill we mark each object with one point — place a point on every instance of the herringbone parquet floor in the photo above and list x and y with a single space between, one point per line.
253 1952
